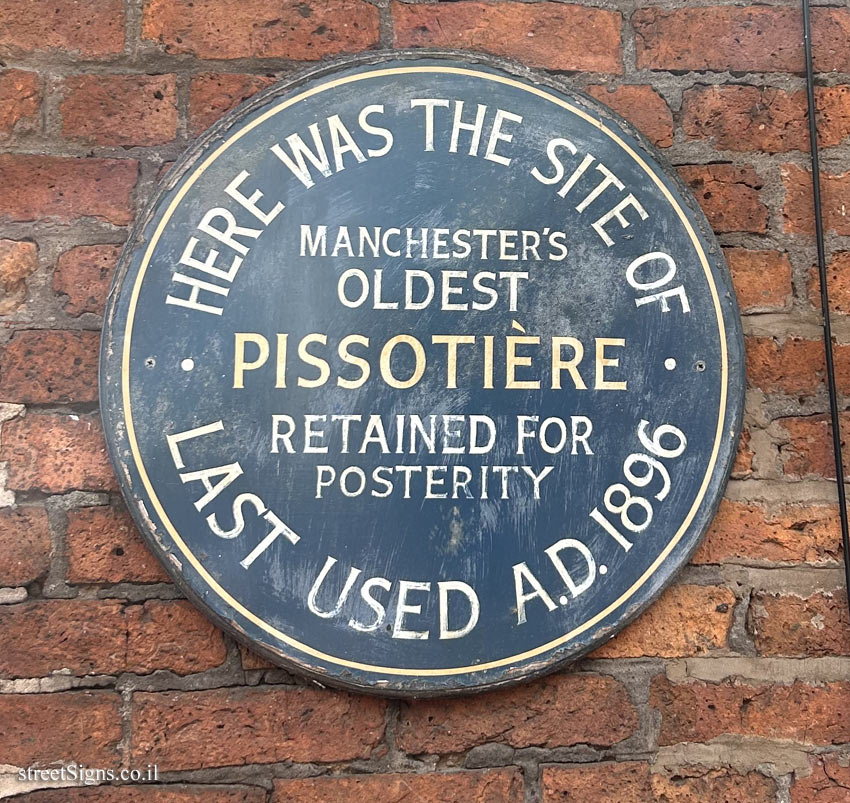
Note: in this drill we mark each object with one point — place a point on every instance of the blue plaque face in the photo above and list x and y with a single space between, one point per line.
422 375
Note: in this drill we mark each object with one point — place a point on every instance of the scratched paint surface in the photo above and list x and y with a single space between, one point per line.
171 369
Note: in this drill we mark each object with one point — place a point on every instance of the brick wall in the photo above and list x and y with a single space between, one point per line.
735 686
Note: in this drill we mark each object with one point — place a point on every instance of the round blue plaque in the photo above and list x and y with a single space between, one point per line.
422 374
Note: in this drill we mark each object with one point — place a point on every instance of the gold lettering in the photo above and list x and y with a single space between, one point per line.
240 365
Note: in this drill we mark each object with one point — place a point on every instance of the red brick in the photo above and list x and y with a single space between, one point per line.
557 711
24 545
794 366
102 637
18 259
489 786
160 793
741 39
702 784
743 466
231 29
635 782
749 533
84 274
120 109
43 365
81 726
215 94
551 35
626 782
685 621
828 782
698 712
809 452
20 100
173 635
749 118
83 636
762 279
65 189
56 453
729 196
814 626
260 725
835 196
838 283
105 547
642 106
250 660
90 28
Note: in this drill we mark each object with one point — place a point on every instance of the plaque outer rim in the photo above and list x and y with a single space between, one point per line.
409 684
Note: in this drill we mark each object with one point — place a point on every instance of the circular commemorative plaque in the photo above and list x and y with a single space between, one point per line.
422 374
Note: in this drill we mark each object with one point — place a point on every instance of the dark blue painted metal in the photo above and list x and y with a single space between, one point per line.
168 369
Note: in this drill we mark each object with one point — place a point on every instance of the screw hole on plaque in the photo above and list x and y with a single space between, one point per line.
699 365
150 362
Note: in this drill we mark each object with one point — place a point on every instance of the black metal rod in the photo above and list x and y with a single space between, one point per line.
824 296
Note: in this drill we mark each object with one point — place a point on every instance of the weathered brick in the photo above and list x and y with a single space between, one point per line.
83 636
96 637
809 452
798 211
84 274
233 726
795 366
215 94
698 712
250 660
636 782
729 196
152 793
557 711
173 635
642 106
762 279
105 547
43 365
743 39
838 283
626 782
489 786
746 533
789 625
82 726
90 28
551 35
743 466
828 782
56 453
701 784
163 170
18 259
20 100
65 189
24 545
120 109
686 620
231 29
750 118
